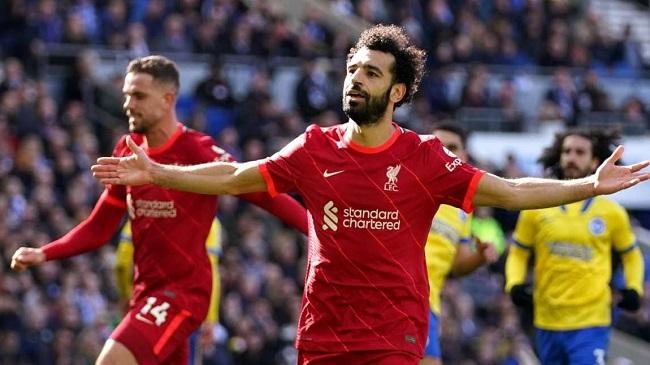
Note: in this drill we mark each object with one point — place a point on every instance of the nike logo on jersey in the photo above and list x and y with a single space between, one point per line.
327 174
141 318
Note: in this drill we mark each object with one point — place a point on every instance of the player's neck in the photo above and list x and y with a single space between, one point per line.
372 135
161 133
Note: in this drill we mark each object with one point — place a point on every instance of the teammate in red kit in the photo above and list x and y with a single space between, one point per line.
172 280
371 189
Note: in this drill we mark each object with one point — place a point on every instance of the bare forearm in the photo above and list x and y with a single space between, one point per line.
214 178
467 264
531 193
535 193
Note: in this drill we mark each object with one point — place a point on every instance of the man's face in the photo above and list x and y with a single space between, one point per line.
145 101
367 86
576 158
452 142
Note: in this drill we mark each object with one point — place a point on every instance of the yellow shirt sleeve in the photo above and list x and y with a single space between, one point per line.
629 251
124 263
450 227
519 253
516 266
213 245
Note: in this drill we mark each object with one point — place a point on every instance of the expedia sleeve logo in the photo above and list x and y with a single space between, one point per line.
451 166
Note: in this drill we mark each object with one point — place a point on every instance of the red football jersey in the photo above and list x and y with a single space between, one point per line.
169 227
370 210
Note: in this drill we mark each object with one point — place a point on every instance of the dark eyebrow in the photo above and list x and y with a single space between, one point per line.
369 67
375 69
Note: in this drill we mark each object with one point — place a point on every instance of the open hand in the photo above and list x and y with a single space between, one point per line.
130 170
611 178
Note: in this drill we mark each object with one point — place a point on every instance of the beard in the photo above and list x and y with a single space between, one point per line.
572 171
367 113
138 125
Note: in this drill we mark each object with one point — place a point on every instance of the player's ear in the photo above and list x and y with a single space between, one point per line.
170 99
397 92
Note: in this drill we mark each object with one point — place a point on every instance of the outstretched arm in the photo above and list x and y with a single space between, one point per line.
94 231
534 193
215 178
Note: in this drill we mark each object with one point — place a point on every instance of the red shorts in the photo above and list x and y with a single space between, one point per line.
377 357
157 330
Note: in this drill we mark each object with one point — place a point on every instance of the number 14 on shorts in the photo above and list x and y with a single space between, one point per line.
157 311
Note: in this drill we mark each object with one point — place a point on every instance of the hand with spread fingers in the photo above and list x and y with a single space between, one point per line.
611 178
131 170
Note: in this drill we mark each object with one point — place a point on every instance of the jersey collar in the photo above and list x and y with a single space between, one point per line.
363 149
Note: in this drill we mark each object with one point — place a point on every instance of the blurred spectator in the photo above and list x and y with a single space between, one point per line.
48 22
281 40
208 38
174 36
592 96
114 24
86 13
511 55
505 100
17 30
313 91
560 99
75 31
13 75
136 40
154 18
314 36
243 40
630 49
635 116
438 21
214 90
556 48
256 108
476 93
81 82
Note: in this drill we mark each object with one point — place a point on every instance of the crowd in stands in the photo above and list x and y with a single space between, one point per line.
61 312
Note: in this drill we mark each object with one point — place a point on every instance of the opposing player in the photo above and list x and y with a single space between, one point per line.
172 281
371 188
449 244
572 247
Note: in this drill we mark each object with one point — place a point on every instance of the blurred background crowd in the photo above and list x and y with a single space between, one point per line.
254 76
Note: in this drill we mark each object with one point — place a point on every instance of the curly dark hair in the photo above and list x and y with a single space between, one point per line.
409 59
603 143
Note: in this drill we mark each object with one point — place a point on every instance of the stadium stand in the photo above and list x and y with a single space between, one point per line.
492 66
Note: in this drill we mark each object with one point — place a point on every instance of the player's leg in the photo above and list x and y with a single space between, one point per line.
588 346
432 353
550 347
114 353
156 331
